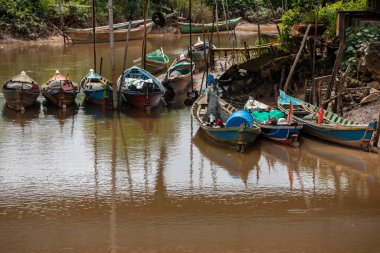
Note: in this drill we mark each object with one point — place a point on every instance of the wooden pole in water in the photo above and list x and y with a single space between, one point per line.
93 32
124 61
101 66
62 21
112 47
145 33
227 22
258 22
217 23
297 58
191 52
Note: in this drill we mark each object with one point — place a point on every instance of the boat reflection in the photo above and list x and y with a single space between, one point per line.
22 118
237 164
59 114
99 112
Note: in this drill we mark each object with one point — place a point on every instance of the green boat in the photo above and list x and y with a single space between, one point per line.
198 28
156 61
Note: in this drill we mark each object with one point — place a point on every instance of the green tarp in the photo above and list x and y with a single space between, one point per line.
264 115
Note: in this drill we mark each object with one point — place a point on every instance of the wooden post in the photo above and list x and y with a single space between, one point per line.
101 66
377 134
93 32
297 58
246 51
112 47
191 51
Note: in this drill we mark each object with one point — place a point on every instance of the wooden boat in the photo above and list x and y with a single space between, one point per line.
280 130
97 88
123 25
20 92
60 90
240 133
102 35
178 76
156 61
332 128
140 88
198 52
198 28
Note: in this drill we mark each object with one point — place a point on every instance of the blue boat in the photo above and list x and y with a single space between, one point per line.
236 128
333 128
273 124
97 88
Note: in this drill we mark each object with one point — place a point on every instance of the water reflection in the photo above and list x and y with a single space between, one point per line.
61 115
237 164
22 118
92 180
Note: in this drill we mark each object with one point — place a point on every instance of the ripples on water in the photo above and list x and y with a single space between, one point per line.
89 180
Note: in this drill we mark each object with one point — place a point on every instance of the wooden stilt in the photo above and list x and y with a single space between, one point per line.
297 58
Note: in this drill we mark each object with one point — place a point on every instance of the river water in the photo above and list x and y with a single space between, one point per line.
90 180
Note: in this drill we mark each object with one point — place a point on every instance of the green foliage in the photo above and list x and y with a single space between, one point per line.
358 38
304 11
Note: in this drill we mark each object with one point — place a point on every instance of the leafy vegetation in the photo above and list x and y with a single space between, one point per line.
304 11
358 38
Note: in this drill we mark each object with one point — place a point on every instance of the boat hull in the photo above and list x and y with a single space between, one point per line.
143 100
232 136
282 134
61 99
81 37
198 28
180 85
155 66
18 99
358 138
98 96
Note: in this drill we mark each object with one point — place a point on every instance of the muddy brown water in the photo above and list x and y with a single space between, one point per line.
90 180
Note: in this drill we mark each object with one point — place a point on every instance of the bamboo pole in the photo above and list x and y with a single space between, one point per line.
93 32
101 66
297 58
112 47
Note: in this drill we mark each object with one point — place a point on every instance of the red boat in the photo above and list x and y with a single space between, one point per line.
140 88
60 90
